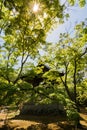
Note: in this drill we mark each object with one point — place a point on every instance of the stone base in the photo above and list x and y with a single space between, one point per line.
42 109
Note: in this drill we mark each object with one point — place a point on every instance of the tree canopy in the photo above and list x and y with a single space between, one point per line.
24 30
24 25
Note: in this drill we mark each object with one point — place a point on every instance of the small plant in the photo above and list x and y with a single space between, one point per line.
72 113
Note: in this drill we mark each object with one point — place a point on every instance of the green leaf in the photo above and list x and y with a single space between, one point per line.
82 3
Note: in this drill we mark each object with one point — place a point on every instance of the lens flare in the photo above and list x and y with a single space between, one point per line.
35 7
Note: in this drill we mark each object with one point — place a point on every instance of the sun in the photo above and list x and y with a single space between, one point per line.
35 7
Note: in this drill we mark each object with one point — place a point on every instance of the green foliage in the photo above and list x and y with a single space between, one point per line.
82 93
24 33
72 2
71 111
80 2
6 93
28 28
83 99
14 94
69 58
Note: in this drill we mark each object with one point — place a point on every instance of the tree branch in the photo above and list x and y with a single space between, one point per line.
65 81
22 65
74 79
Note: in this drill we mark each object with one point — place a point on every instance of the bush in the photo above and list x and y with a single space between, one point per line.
72 112
82 100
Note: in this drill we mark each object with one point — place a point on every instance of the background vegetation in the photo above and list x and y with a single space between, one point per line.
24 32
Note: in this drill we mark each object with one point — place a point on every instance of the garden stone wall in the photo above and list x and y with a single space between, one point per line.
42 109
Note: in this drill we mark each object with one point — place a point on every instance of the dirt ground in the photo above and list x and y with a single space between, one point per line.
29 122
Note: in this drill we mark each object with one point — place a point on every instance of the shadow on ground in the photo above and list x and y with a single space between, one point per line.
45 122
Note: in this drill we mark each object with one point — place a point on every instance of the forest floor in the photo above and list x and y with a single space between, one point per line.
29 122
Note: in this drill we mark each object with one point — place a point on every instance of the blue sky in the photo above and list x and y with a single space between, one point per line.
77 14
